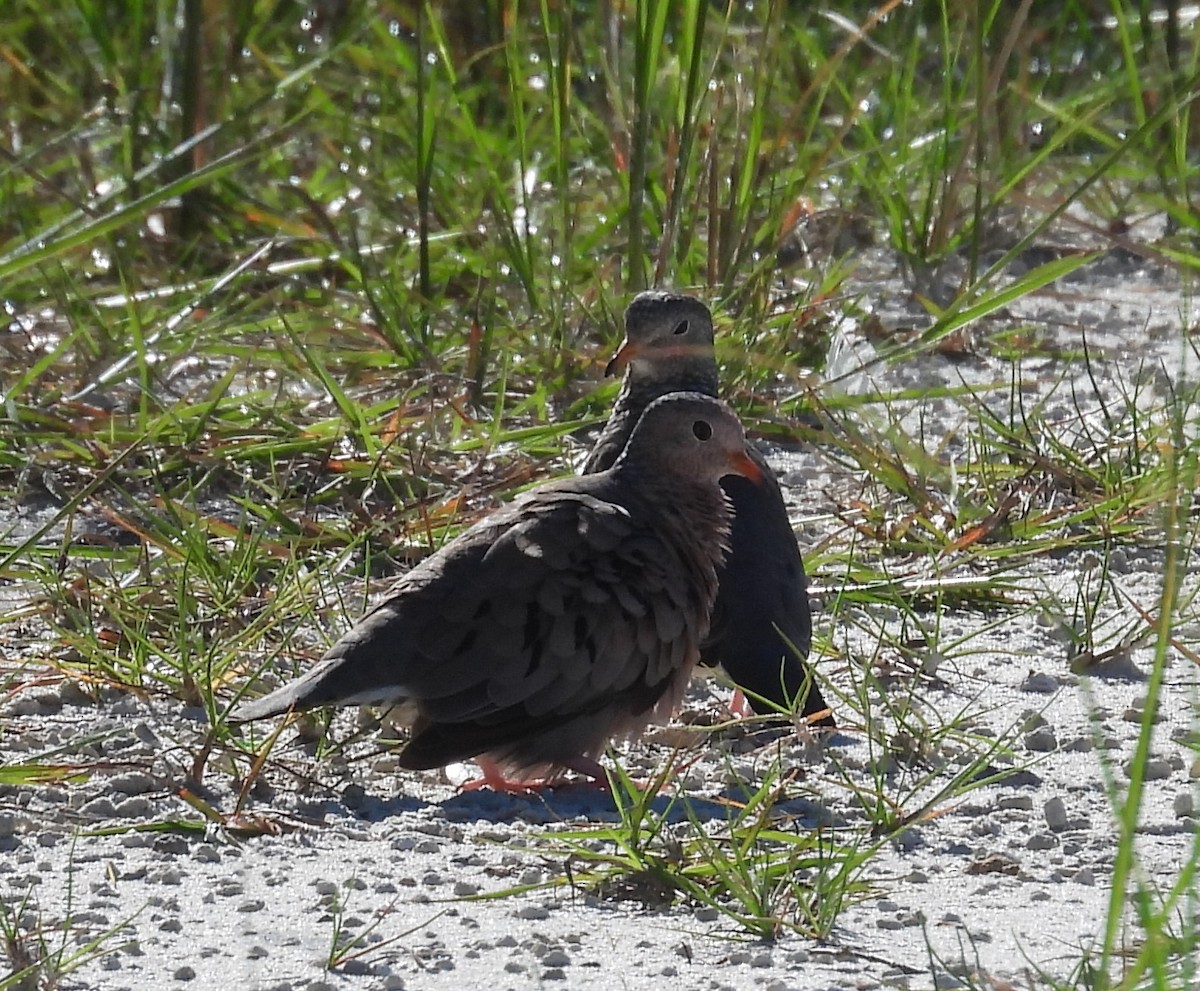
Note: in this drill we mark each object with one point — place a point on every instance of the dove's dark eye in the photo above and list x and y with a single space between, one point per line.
681 328
702 429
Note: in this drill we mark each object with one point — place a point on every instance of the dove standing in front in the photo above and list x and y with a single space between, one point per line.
571 616
761 626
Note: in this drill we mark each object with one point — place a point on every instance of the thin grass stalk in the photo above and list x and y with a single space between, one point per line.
193 81
1129 810
749 166
426 138
520 243
694 18
558 36
651 27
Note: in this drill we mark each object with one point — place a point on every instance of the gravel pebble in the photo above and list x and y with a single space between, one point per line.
1040 683
1041 741
132 783
1156 769
533 912
1055 813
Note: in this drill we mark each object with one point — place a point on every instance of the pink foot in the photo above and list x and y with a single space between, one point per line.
494 778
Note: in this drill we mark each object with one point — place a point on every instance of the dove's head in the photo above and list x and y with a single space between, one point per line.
690 436
668 336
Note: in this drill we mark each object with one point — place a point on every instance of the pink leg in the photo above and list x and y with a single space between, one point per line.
494 778
739 707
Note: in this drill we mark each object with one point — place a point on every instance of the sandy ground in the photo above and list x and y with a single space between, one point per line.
1005 879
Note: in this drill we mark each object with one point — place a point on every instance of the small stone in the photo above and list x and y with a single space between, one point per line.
1055 813
1084 876
175 845
1040 683
1156 769
184 973
132 783
1041 841
556 958
533 912
1183 805
1021 802
706 913
1041 741
254 905
464 889
995 863
100 808
136 807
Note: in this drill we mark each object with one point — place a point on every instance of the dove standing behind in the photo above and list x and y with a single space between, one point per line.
761 625
573 615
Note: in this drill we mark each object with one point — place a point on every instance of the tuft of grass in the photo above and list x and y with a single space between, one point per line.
750 858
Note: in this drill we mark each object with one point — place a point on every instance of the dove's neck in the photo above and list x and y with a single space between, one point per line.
698 518
637 392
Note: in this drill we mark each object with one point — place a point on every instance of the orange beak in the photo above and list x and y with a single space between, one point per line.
740 463
625 354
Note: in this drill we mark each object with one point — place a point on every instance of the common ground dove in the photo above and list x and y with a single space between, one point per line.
571 616
761 626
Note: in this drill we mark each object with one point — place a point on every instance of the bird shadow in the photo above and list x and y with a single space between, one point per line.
583 801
